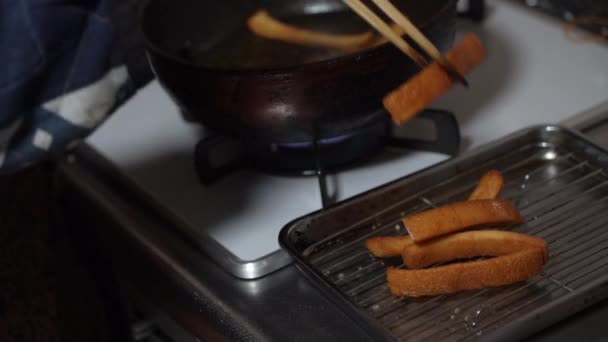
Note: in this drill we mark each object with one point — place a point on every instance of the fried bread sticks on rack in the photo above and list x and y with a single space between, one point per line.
499 271
489 187
388 246
436 237
444 220
460 216
469 245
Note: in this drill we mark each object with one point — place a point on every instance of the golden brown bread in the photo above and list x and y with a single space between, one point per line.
468 245
489 187
388 246
434 239
498 271
460 216
433 81
264 25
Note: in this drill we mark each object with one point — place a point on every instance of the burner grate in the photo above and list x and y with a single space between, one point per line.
560 191
217 156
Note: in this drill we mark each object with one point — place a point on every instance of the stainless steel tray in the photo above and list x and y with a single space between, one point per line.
558 180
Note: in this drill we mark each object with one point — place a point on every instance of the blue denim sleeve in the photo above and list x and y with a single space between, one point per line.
67 65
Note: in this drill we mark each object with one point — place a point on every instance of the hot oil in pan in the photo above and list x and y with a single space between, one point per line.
243 50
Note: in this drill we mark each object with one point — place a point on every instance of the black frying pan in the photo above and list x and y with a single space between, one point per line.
252 88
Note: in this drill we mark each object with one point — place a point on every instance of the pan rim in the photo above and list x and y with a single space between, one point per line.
292 69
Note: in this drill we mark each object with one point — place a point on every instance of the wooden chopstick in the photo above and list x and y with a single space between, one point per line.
411 30
368 15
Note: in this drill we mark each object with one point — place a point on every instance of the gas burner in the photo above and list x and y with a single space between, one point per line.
217 156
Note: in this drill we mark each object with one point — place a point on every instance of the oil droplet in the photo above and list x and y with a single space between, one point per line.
467 318
397 228
402 213
360 268
525 182
326 272
375 307
456 311
374 227
479 333
340 276
550 155
452 316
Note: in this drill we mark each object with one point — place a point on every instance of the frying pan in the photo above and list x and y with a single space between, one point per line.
278 93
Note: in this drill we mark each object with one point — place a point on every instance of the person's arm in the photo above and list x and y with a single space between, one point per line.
66 67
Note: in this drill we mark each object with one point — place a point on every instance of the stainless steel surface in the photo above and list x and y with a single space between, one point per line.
558 181
154 261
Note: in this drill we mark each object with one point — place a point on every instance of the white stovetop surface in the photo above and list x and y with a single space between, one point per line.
532 75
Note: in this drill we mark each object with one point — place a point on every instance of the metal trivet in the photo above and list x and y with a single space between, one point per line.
555 177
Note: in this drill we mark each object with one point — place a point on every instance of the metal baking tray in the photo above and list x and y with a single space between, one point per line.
555 176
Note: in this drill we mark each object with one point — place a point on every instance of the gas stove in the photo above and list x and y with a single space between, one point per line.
235 219
242 213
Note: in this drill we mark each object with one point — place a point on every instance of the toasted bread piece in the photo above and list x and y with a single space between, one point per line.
460 216
388 246
433 81
489 187
468 245
499 271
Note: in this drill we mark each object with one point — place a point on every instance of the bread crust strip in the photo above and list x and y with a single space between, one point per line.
388 246
433 81
494 272
460 216
468 245
489 187
264 25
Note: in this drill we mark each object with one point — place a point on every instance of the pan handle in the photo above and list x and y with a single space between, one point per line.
447 131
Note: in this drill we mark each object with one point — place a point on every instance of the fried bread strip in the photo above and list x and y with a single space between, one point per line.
264 25
499 271
468 245
489 187
460 216
433 81
388 246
